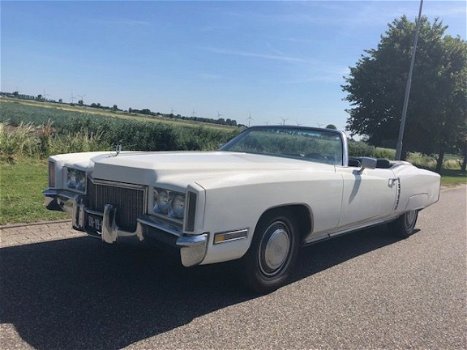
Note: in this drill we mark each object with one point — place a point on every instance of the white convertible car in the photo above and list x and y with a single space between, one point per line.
259 198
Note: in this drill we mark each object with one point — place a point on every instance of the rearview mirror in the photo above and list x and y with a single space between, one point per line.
367 163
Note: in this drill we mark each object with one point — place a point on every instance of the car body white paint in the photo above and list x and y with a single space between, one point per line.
236 189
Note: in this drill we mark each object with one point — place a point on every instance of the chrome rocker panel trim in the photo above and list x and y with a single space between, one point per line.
192 248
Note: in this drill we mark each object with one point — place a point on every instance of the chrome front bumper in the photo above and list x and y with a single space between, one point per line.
192 248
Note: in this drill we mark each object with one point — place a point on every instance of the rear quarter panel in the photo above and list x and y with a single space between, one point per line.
419 188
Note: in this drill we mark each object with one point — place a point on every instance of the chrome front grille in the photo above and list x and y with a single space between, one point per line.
128 199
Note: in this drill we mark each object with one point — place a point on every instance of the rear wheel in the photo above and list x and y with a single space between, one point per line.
273 252
404 225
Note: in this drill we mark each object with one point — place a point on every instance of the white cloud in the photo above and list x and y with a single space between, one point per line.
323 73
307 70
122 22
266 56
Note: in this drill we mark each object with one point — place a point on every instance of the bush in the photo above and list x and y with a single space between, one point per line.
386 153
18 141
360 149
421 160
26 140
452 164
79 142
86 134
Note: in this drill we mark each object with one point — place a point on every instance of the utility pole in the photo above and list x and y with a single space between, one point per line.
408 86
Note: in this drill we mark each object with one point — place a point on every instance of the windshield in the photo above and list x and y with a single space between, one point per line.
299 143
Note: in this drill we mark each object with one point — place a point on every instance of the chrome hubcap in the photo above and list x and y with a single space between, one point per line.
275 249
410 218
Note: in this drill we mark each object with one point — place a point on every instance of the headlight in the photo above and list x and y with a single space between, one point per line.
177 209
75 180
169 203
161 201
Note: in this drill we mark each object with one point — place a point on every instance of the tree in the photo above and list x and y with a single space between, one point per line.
145 111
39 97
60 100
436 111
114 107
464 154
15 93
80 102
331 126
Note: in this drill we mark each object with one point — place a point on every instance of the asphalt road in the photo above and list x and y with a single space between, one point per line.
364 290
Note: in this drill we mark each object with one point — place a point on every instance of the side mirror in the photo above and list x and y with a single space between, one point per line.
367 163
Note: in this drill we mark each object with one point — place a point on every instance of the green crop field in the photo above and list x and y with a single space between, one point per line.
16 110
33 129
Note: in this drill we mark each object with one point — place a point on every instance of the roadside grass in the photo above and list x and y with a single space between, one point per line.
21 186
451 177
22 183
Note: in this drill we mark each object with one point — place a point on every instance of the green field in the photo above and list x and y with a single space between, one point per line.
33 129
39 112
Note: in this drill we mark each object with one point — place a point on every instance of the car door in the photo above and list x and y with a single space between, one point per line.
367 196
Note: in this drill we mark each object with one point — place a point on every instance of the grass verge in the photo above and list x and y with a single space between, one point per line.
21 186
451 177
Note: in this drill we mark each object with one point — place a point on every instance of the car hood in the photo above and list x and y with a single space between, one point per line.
182 168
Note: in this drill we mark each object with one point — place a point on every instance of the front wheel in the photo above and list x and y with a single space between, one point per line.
273 252
404 225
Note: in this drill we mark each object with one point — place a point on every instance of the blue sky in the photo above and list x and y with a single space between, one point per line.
271 59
